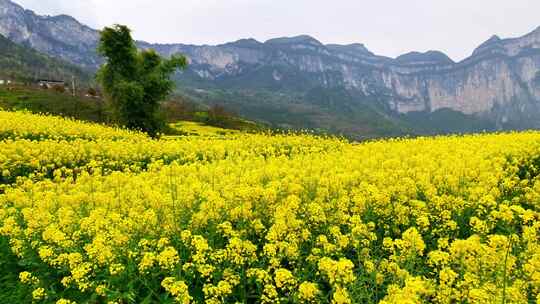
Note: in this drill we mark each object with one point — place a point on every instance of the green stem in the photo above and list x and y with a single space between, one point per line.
505 267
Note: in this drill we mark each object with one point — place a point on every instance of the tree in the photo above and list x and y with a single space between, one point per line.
135 81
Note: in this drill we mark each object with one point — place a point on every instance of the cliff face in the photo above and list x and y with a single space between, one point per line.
500 73
60 36
500 81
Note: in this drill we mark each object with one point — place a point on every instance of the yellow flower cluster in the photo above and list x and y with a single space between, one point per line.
308 292
27 278
71 151
277 219
178 289
24 125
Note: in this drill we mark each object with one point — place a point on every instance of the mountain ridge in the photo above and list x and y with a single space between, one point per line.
287 39
499 82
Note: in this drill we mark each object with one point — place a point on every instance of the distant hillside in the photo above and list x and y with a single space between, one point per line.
25 64
38 100
194 118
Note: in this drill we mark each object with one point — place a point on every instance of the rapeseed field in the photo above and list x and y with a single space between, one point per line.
93 214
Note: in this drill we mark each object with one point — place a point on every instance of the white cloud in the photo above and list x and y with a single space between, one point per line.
387 27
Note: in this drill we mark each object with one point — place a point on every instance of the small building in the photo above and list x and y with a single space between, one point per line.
49 84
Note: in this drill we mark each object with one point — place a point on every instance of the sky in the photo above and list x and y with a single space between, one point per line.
386 27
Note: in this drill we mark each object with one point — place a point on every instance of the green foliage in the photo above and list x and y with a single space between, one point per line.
182 109
48 101
135 81
11 289
446 121
323 110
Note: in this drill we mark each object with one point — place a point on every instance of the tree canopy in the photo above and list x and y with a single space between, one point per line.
135 81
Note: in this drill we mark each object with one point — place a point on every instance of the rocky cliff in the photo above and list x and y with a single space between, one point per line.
60 36
502 74
499 82
499 73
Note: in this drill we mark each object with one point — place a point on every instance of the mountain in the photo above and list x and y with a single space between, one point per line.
22 63
301 82
499 82
60 36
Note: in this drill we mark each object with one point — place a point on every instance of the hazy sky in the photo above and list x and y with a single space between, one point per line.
386 27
